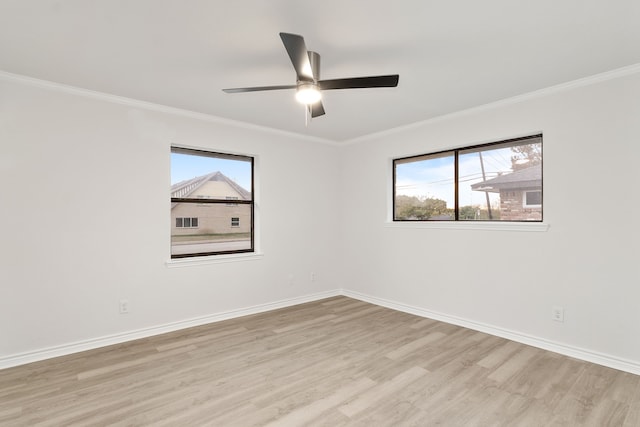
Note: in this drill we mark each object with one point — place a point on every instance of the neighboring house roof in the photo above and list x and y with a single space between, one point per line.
215 185
529 178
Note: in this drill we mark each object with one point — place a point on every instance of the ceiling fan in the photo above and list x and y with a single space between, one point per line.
308 84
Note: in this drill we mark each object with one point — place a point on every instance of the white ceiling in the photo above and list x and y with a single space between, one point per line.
451 55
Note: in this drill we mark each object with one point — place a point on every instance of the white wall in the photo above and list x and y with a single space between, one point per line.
586 262
85 219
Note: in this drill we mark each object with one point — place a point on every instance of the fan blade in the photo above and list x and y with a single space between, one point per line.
317 109
297 50
258 88
360 82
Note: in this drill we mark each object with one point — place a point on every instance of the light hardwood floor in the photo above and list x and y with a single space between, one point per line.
335 362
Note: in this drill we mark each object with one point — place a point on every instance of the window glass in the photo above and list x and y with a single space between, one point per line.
533 198
491 182
425 188
202 184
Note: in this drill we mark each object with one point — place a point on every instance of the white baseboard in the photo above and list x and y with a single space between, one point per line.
90 344
567 350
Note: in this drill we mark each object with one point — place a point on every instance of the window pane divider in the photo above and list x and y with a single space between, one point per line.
223 201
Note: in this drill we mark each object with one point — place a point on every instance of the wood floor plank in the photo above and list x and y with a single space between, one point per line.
334 362
500 355
514 364
304 414
414 345
305 324
382 391
577 405
421 323
633 416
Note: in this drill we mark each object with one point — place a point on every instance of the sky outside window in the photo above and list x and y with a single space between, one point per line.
434 177
431 177
186 166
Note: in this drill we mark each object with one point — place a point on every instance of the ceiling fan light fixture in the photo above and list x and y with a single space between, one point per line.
308 94
308 83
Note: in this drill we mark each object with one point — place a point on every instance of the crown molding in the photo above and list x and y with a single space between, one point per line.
585 81
150 106
551 90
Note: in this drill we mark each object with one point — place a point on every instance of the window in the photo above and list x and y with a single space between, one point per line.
203 221
532 199
501 181
186 222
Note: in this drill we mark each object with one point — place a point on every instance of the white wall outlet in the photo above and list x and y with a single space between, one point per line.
313 276
290 279
557 314
124 306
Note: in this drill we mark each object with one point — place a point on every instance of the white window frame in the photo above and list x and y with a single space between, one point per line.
185 259
257 219
454 153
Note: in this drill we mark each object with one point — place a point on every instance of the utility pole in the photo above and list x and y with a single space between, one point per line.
486 193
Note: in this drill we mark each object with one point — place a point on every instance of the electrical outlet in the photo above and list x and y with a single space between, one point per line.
124 306
557 314
290 279
313 276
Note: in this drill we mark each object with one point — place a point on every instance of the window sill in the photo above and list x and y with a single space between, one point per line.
472 225
212 259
